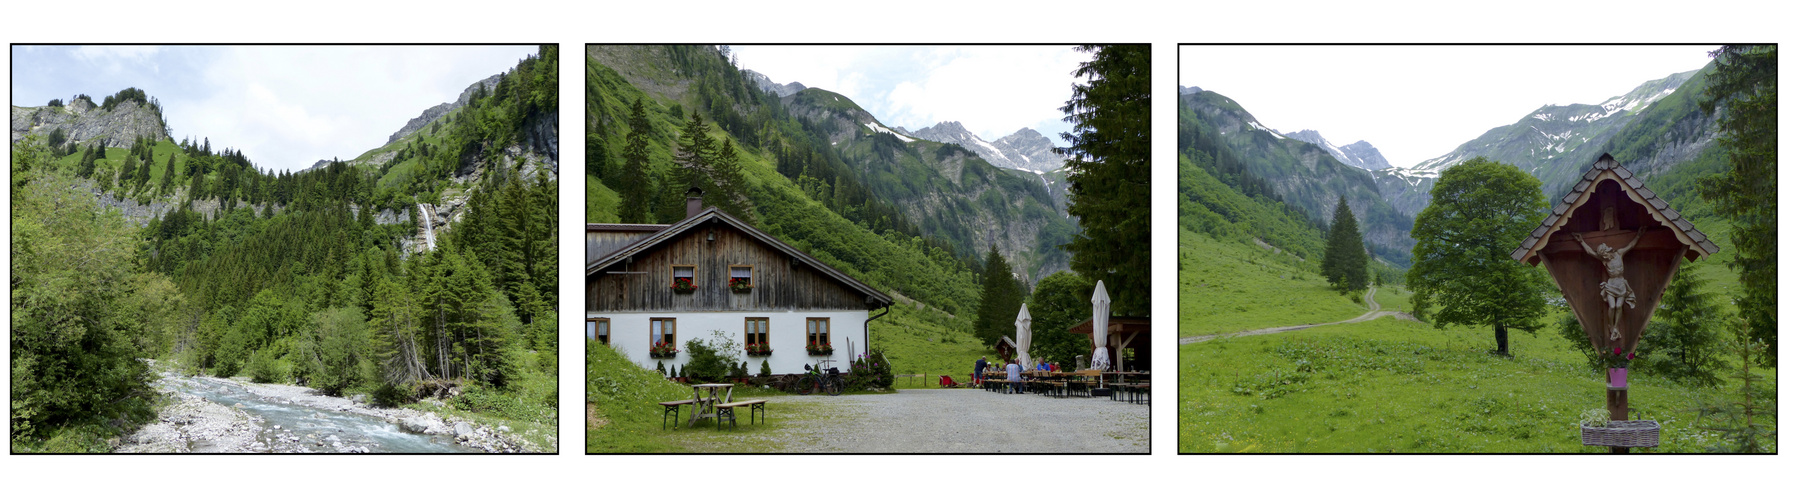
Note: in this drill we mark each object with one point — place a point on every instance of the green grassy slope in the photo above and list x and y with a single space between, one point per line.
1226 287
1398 386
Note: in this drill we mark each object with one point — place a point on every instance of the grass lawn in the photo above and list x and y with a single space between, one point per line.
1393 385
1227 287
622 414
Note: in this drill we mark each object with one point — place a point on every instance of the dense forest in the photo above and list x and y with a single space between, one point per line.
294 277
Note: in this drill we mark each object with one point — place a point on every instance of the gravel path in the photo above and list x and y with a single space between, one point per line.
1374 313
960 421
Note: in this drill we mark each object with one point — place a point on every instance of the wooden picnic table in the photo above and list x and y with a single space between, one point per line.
705 406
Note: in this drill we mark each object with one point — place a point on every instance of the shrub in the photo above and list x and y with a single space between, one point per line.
393 395
869 372
765 368
712 360
265 367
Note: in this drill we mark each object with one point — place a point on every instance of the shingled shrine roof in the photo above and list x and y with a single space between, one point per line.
1608 168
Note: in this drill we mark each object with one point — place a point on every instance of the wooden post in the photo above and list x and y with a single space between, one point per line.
1617 410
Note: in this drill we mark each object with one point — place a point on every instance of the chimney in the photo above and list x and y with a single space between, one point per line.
694 202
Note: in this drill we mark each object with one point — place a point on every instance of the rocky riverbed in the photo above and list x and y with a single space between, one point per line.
214 415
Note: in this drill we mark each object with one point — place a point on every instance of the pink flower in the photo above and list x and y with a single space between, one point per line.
1616 351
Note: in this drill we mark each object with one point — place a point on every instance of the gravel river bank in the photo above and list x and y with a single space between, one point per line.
214 415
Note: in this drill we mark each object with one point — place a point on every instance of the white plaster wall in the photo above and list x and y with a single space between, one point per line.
785 331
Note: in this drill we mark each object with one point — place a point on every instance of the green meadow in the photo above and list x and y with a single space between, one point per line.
1394 385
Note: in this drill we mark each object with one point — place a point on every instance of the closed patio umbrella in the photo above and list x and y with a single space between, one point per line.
1023 337
1099 327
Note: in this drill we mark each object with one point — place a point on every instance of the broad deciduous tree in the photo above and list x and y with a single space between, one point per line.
1480 211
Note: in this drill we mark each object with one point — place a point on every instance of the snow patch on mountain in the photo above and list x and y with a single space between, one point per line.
876 128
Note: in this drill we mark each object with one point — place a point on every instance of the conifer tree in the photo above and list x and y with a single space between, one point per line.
1743 84
1110 170
1345 263
1000 300
632 185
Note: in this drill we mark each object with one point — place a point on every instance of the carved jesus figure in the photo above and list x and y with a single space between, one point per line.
1614 290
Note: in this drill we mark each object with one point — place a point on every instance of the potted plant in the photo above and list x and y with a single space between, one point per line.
683 285
663 350
759 349
1616 367
822 349
740 285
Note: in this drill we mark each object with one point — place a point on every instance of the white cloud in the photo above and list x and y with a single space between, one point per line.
289 106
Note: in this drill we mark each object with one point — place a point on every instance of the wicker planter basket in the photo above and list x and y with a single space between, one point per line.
1623 433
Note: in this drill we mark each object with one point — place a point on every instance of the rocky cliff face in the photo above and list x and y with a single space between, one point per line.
83 122
430 115
768 85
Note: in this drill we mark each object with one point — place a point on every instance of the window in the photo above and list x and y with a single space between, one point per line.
816 330
598 329
683 277
663 330
741 277
756 330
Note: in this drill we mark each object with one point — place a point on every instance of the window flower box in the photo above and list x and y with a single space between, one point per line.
759 350
683 285
820 349
741 285
663 350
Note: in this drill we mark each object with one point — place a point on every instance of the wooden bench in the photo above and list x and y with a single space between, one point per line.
727 410
671 408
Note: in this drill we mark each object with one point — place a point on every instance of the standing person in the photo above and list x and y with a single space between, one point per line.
1015 376
978 370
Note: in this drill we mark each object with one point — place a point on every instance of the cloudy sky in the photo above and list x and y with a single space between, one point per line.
283 106
1415 103
991 90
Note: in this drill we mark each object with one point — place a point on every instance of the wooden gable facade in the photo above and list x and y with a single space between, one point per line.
1663 240
637 275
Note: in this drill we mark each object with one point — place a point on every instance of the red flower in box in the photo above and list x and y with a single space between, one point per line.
740 284
759 349
683 285
663 350
820 349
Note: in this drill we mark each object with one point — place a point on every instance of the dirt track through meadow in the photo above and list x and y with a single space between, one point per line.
1374 313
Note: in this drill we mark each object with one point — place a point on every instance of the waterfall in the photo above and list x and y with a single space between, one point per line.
429 232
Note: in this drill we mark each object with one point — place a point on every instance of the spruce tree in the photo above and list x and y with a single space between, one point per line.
1743 84
999 301
1682 340
1345 262
692 167
1109 164
632 184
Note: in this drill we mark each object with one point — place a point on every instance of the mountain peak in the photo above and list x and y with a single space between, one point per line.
1358 154
767 85
1026 149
